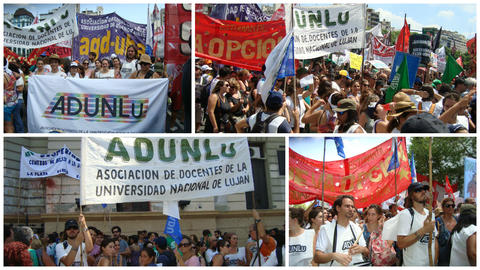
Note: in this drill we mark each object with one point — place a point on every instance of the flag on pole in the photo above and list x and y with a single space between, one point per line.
452 69
459 61
403 38
394 163
172 229
279 64
448 187
412 169
399 82
279 14
339 144
436 40
149 40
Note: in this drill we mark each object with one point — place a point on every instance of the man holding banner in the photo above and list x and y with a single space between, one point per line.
78 243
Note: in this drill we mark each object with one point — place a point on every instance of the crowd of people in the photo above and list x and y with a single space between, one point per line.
81 245
335 100
16 74
343 235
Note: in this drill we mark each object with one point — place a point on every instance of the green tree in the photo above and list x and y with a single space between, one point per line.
447 157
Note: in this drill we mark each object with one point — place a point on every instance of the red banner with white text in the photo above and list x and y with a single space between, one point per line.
241 44
382 52
365 176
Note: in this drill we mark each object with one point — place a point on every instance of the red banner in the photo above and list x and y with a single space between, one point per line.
62 52
178 29
364 176
9 54
240 44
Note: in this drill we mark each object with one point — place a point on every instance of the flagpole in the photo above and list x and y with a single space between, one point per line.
430 258
363 45
295 74
323 179
256 232
403 34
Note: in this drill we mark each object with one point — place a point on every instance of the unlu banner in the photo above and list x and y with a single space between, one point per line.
364 176
241 44
139 169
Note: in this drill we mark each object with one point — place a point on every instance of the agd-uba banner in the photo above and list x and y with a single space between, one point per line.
139 169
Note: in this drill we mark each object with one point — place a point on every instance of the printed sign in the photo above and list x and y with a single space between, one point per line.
58 27
101 105
107 34
142 169
323 30
63 161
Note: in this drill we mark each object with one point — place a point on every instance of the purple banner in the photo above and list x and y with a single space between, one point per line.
239 13
107 34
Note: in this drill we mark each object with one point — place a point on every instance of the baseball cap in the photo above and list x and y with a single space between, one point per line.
424 123
206 67
343 72
346 104
71 223
73 64
274 98
417 186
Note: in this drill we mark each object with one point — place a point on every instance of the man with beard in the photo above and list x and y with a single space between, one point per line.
341 242
414 228
72 251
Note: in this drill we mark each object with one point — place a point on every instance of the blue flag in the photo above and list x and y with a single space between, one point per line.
394 164
412 169
172 228
338 144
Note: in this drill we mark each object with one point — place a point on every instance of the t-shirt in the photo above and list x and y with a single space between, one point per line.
303 109
123 247
128 68
458 256
345 240
193 261
19 82
301 249
209 253
58 73
63 252
268 255
77 76
278 125
107 75
234 259
416 254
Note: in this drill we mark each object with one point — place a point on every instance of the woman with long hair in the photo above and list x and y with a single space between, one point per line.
382 252
445 224
117 66
105 72
238 103
188 257
223 248
107 248
464 238
321 113
347 117
237 255
147 257
217 108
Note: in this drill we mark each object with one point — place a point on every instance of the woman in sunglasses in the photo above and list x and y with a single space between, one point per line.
445 224
223 248
185 253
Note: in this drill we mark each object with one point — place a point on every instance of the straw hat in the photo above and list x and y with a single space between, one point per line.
401 107
55 56
144 58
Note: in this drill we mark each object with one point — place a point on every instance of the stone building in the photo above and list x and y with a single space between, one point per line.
46 203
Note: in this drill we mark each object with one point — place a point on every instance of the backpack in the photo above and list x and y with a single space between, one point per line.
262 126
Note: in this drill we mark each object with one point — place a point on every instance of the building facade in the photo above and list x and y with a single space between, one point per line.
46 203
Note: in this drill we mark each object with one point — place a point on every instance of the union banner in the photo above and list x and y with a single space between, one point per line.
366 176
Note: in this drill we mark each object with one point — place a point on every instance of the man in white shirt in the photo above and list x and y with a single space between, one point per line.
414 228
341 241
54 63
73 251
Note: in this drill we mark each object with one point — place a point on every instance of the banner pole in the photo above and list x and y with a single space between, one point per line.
363 45
323 179
19 196
430 258
256 231
294 74
395 141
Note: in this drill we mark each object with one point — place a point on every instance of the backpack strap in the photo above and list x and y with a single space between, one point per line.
268 121
334 249
432 108
412 214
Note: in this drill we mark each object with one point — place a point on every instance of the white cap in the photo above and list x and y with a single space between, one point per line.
206 67
113 56
73 64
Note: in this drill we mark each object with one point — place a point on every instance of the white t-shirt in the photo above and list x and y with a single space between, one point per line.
233 259
19 82
345 240
426 105
209 253
107 75
77 76
270 260
61 252
300 249
303 109
58 73
128 68
416 254
459 257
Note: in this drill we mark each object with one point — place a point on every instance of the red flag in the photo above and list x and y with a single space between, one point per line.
448 187
279 14
459 61
403 38
472 46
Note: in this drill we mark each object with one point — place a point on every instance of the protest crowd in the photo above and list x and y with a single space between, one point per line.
82 245
344 235
325 90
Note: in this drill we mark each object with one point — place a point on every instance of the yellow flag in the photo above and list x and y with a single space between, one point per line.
355 61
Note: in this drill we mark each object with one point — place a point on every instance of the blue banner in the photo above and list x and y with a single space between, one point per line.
412 62
172 228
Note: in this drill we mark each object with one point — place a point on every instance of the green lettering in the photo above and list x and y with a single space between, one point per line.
345 20
161 150
299 24
232 150
122 152
187 149
138 149
209 156
315 20
327 19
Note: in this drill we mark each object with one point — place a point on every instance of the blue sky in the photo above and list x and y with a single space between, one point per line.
453 17
132 12
312 147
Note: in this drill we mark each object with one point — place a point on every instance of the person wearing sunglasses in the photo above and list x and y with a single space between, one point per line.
445 224
347 117
223 248
185 253
145 72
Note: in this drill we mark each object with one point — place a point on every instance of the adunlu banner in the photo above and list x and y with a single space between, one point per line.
365 176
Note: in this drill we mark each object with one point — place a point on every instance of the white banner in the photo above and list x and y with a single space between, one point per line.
323 30
152 169
63 161
58 27
441 59
382 52
99 105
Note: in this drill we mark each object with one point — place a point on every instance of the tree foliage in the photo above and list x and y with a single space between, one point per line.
447 157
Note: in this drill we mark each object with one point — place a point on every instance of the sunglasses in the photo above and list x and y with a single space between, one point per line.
184 244
366 85
115 232
450 205
420 189
144 64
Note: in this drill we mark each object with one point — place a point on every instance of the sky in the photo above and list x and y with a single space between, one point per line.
132 12
352 146
453 17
